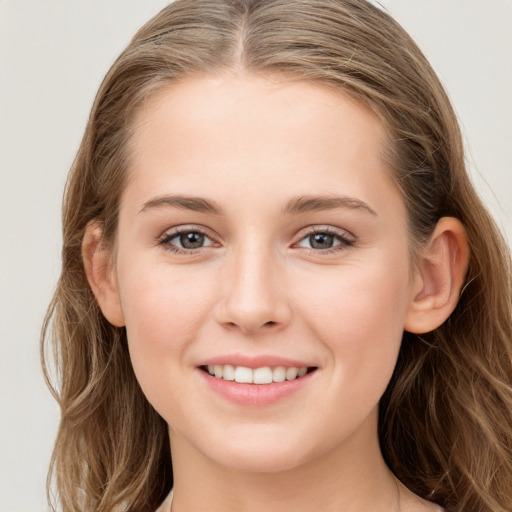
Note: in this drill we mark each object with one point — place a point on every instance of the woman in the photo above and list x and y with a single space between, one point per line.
276 270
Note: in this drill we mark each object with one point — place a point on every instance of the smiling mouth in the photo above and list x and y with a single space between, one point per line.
263 375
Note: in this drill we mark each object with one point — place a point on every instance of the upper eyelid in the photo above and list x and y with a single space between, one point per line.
164 240
319 228
177 230
345 237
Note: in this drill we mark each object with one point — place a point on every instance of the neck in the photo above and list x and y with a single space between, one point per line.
351 477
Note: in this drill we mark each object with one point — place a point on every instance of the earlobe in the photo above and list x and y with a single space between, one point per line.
440 274
100 274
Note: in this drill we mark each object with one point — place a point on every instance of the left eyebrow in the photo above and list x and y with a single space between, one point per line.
197 204
304 204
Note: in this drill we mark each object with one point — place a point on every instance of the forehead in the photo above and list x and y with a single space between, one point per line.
260 132
279 105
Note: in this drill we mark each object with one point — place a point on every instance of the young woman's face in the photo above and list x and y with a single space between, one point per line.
260 233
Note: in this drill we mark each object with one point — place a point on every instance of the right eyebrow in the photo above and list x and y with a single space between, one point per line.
304 204
196 204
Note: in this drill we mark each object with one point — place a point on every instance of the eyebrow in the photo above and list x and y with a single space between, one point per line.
304 204
197 204
296 205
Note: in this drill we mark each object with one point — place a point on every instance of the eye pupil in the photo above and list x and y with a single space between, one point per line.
321 240
192 240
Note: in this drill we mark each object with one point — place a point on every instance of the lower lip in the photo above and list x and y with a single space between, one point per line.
255 394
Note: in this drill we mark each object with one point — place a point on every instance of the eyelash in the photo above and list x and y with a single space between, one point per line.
344 240
166 238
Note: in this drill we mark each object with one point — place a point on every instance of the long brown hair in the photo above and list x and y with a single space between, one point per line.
446 418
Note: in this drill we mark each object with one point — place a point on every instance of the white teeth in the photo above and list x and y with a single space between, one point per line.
263 375
279 374
243 375
291 373
229 372
301 372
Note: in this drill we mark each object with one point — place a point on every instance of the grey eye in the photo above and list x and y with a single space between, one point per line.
325 240
186 240
191 240
321 241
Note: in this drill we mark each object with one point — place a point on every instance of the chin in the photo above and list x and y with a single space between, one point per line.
248 460
264 451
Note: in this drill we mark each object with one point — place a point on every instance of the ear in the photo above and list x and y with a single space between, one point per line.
101 275
439 277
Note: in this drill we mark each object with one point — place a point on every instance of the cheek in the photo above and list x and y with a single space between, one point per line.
360 295
359 316
159 310
164 312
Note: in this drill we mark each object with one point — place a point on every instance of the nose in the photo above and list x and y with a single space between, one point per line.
253 293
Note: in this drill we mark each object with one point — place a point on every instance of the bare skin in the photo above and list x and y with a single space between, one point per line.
220 255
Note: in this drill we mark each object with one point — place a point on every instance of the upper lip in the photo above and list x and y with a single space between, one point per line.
254 361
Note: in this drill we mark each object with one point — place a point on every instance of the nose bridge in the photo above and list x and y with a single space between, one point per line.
253 296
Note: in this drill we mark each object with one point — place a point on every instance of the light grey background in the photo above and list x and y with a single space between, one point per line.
53 55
